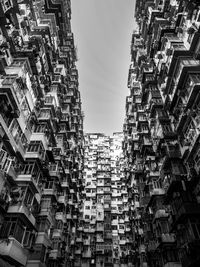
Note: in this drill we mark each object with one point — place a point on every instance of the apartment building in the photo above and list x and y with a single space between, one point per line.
41 135
105 236
161 128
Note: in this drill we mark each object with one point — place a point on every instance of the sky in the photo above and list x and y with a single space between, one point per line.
102 33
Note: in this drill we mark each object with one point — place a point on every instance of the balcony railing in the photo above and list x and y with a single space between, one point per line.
43 238
40 137
157 191
86 242
28 178
87 254
55 254
13 250
167 238
15 144
78 251
23 209
57 233
61 216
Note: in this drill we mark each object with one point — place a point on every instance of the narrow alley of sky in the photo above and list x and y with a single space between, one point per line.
102 32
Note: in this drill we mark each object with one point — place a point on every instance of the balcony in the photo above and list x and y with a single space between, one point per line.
13 145
70 202
55 254
40 137
35 155
8 91
72 242
152 246
107 235
57 233
100 240
121 231
180 72
191 94
100 227
78 251
65 184
122 242
51 191
79 240
75 217
167 238
48 212
129 240
160 214
80 228
115 222
157 191
142 249
86 242
87 254
22 209
91 195
127 229
171 182
69 216
28 178
7 164
43 238
62 199
12 250
60 216
91 230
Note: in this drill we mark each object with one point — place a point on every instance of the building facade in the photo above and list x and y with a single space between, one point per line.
41 135
161 143
105 239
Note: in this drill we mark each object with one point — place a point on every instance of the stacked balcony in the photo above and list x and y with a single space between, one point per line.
162 133
102 241
41 147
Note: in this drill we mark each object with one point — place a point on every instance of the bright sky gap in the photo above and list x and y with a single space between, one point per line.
102 31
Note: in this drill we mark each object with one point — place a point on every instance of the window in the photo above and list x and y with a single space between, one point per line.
28 199
6 5
25 108
16 132
190 132
44 226
53 167
166 128
58 69
45 113
156 184
29 238
170 256
12 227
59 225
28 168
49 99
45 203
34 146
41 128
